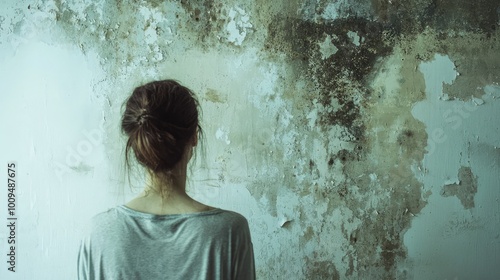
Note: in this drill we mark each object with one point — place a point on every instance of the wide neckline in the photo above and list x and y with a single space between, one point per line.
133 212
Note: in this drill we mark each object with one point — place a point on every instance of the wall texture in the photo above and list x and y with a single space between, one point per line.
360 138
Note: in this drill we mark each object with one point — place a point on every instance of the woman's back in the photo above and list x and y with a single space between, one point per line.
123 243
164 233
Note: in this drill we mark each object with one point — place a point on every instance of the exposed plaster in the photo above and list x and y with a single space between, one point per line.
464 189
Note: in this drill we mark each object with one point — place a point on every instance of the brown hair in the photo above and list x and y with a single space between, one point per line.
160 119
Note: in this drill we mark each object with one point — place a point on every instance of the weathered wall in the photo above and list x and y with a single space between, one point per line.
360 138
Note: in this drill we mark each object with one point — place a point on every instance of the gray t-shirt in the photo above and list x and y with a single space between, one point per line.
122 243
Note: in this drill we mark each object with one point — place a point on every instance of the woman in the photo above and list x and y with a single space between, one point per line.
164 233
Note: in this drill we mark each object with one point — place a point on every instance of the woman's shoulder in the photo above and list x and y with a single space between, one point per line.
233 216
104 216
230 220
100 221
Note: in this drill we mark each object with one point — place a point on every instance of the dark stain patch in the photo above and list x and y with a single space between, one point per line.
353 237
153 3
351 269
307 236
465 190
320 270
203 19
408 133
311 164
408 141
441 15
313 169
342 191
391 250
82 168
386 236
346 155
207 20
476 60
405 137
215 97
339 77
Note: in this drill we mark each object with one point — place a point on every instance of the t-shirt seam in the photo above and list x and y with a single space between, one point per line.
149 216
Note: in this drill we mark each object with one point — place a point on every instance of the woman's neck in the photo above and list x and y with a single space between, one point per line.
166 193
167 197
175 203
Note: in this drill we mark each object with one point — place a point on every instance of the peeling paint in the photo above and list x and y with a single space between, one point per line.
355 38
465 189
327 48
238 26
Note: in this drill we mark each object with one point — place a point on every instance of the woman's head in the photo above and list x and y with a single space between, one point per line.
161 122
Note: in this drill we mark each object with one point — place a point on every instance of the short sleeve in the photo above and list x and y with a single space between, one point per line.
83 262
244 262
84 258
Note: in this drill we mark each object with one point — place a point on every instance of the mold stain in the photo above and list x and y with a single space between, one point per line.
203 18
339 88
477 62
440 15
321 270
215 97
339 75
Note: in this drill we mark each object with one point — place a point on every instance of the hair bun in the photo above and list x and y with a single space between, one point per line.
170 112
143 117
